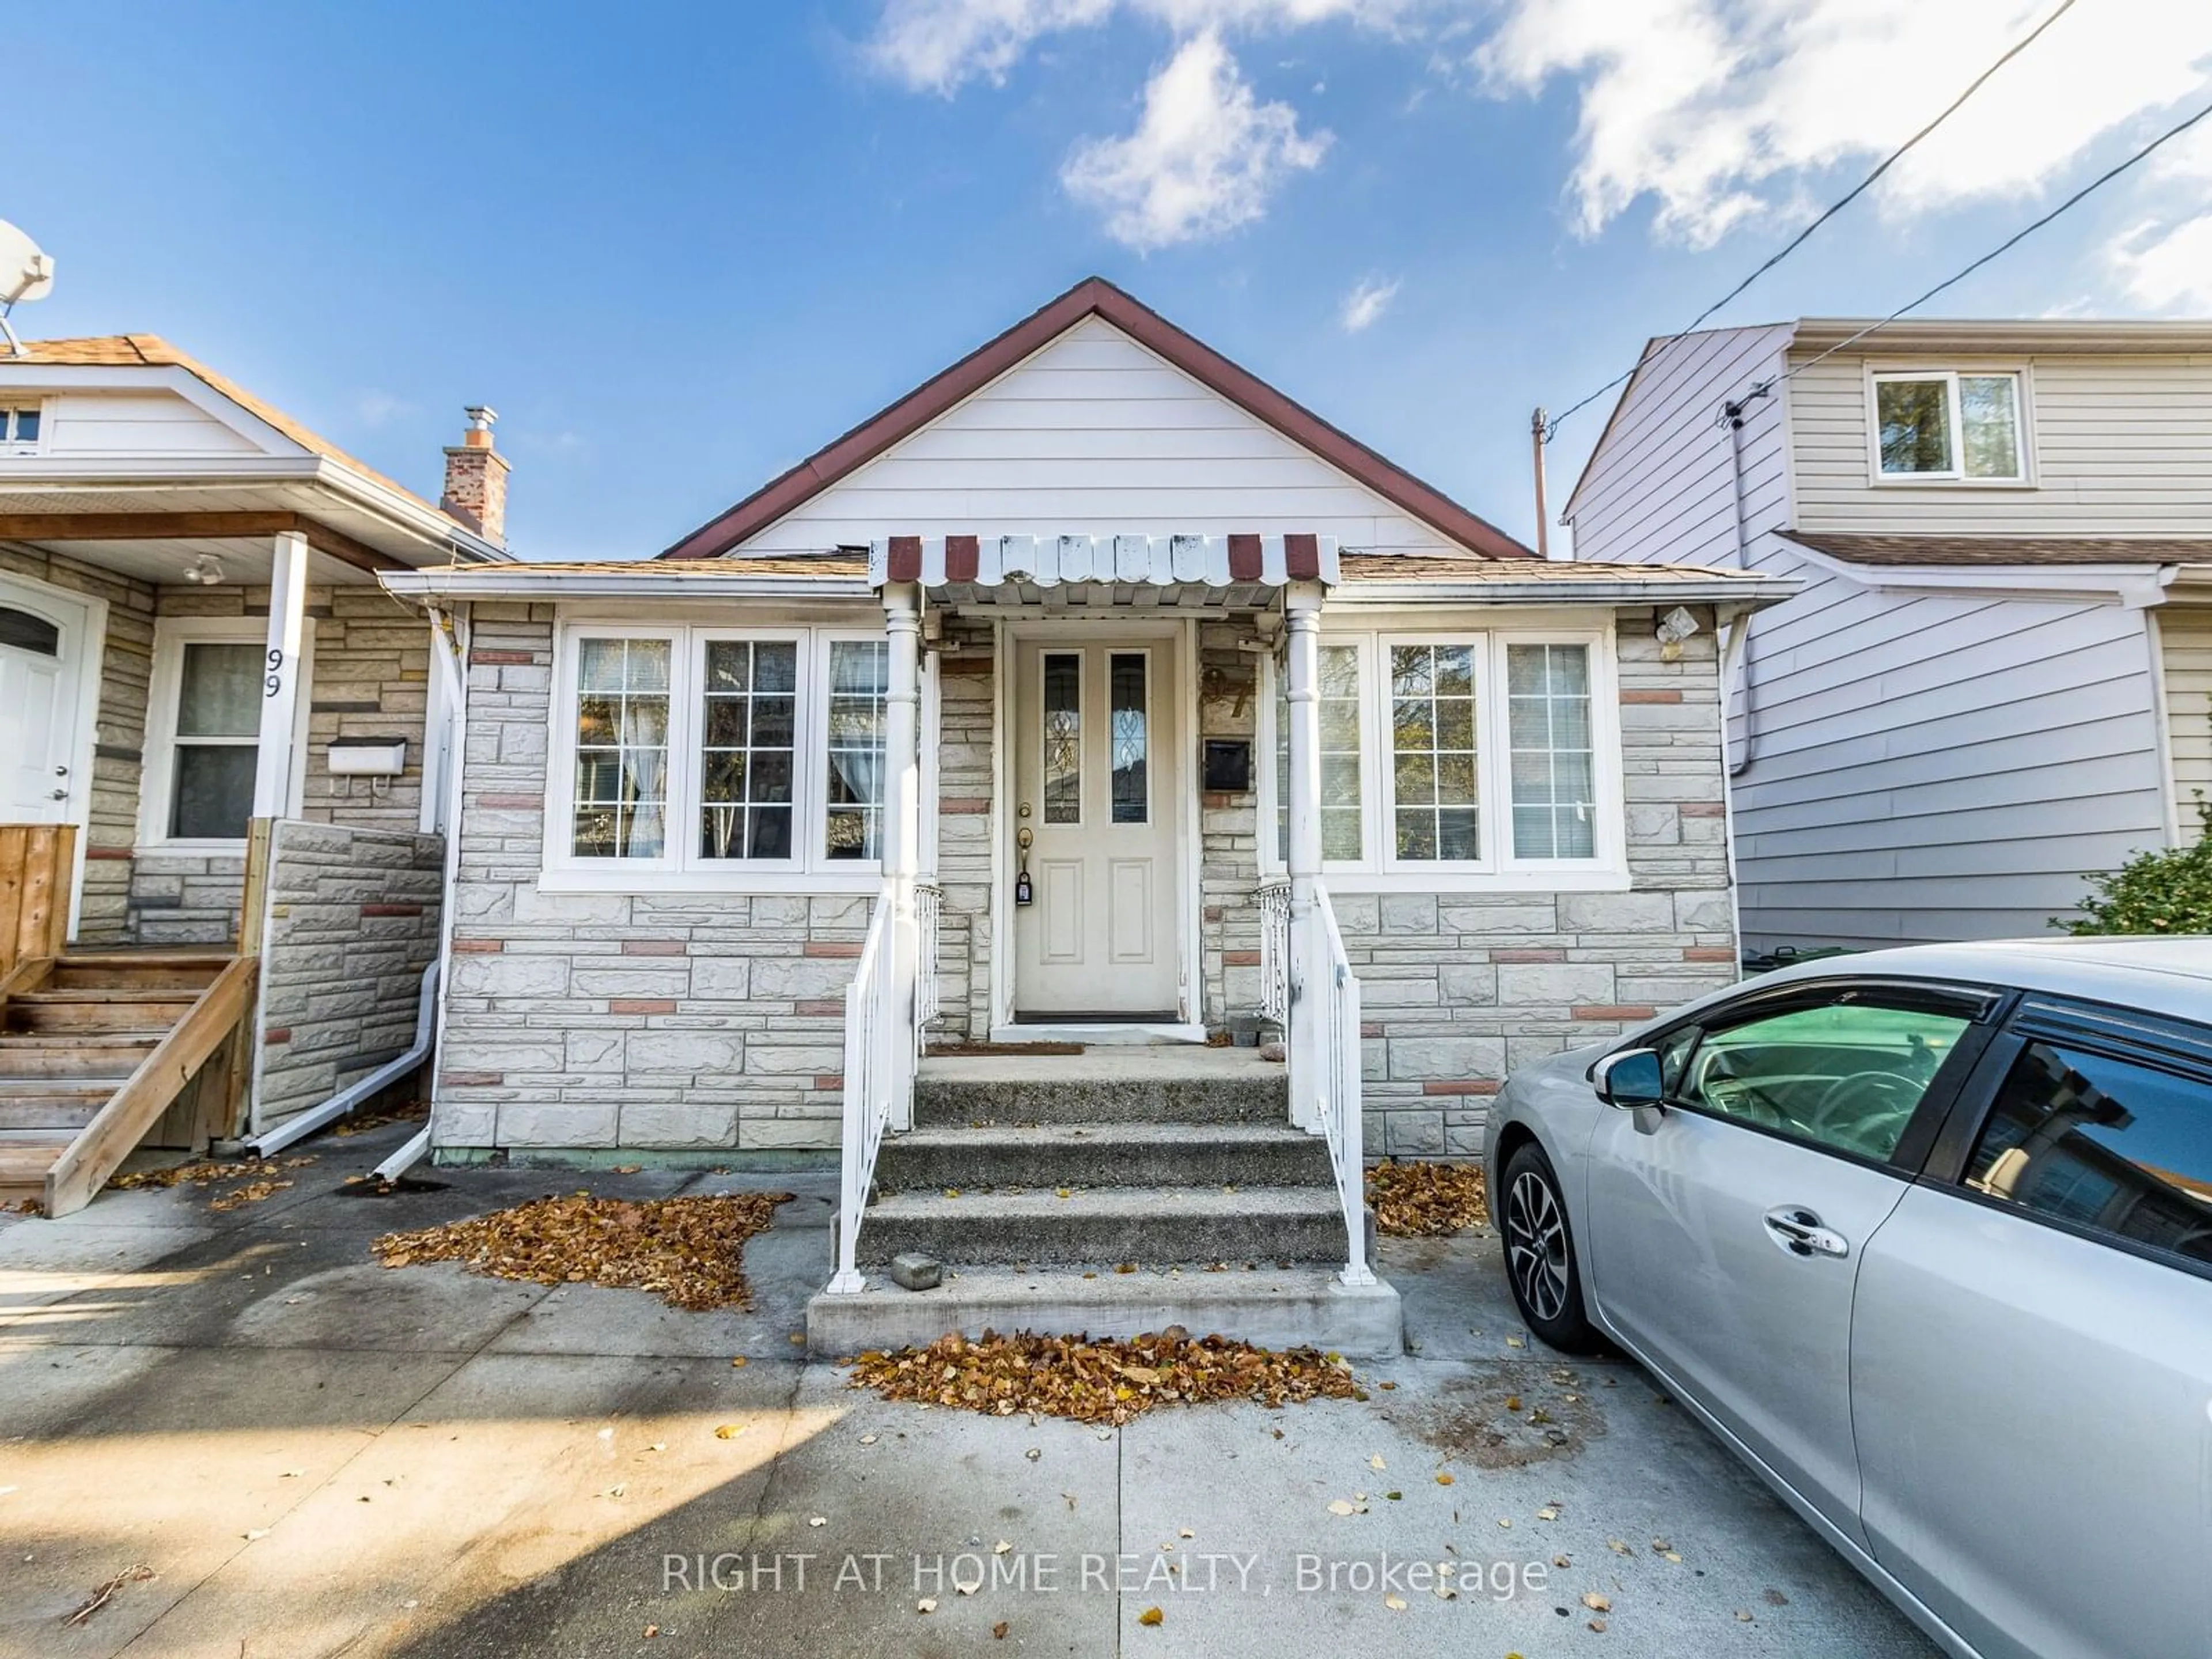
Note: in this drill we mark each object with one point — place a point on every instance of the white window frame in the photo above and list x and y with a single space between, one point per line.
10 444
1956 478
681 868
1379 869
158 775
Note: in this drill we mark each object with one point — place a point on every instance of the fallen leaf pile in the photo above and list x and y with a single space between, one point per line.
688 1251
1102 1382
1424 1199
413 1111
258 1178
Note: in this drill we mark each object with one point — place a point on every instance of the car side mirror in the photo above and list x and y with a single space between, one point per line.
1630 1079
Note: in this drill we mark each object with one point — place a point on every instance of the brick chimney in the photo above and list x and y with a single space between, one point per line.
476 478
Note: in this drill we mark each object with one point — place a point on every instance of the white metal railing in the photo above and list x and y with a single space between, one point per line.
928 905
1337 1010
873 1076
1274 898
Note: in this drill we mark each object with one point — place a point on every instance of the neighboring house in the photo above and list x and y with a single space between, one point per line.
1998 678
193 643
977 727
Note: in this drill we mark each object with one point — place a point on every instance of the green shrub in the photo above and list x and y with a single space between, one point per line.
2167 892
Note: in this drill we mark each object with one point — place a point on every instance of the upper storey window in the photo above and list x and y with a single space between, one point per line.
1947 425
19 428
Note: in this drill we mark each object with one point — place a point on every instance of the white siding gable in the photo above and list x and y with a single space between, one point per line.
1092 434
128 423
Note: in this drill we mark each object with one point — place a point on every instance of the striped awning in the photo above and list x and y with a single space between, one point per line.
1044 562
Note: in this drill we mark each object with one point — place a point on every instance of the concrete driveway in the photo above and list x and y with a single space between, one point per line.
314 1456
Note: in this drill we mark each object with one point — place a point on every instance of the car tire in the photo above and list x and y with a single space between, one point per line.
1540 1253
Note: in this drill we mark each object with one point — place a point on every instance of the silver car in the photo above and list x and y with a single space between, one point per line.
1925 1236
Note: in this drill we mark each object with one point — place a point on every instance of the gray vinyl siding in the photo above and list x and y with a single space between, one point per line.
2122 445
1926 766
1930 767
1658 490
2185 635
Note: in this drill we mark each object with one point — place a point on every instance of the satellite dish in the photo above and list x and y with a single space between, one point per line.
24 274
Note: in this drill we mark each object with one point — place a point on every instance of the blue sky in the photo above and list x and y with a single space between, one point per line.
679 247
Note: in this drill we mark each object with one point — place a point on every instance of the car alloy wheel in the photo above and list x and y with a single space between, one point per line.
1536 1245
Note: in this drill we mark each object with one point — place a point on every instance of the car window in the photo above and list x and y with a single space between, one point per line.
1846 1075
2105 1143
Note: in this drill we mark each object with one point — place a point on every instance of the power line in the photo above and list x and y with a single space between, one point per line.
2005 246
1838 206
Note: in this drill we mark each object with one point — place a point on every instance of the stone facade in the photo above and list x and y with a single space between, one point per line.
369 676
352 924
712 1021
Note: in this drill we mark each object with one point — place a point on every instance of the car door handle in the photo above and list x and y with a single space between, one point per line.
1799 1232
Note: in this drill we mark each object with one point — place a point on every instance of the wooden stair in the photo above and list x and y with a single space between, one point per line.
95 1048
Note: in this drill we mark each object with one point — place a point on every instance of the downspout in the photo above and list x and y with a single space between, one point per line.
449 639
303 1124
1732 653
1739 640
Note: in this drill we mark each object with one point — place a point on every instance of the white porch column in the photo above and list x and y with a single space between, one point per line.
901 837
279 764
1302 609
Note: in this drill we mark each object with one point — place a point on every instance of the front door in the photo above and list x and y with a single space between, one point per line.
45 650
1097 783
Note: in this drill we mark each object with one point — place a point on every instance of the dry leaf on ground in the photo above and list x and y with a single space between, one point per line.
689 1251
360 1123
261 1178
1426 1199
100 1597
1102 1382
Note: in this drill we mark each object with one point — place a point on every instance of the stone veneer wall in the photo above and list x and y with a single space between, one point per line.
676 1021
126 670
1458 989
967 685
352 923
370 678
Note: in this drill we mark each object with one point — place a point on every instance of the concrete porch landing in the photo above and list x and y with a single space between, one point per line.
1111 1193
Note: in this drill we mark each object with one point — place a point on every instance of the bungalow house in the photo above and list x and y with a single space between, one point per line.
965 800
221 855
1997 677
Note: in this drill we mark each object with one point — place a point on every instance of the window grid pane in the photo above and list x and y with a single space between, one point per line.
1432 720
1555 773
1915 419
747 749
859 677
1338 710
621 803
1128 735
1989 411
1063 738
220 693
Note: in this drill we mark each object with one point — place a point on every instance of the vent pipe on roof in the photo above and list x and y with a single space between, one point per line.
476 478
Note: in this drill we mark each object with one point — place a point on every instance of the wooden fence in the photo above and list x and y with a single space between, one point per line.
38 863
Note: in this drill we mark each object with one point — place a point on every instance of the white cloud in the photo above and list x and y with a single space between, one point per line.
1205 157
936 45
1367 302
2167 267
1714 110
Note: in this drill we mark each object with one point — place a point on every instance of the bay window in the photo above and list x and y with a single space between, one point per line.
706 755
1473 756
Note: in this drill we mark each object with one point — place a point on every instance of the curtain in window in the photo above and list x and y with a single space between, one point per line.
860 675
621 748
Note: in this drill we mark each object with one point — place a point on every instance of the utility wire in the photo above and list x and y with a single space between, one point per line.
1856 190
2005 246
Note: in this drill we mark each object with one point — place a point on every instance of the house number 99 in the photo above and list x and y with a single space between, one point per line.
276 680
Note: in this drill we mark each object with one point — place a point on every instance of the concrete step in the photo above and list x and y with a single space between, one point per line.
1104 1155
1163 1084
1275 1308
1101 1227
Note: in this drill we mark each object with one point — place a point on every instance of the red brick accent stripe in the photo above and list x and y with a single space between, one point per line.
968 806
655 947
1473 1085
1614 1011
501 659
121 853
1649 694
830 947
905 561
819 1008
391 910
1707 953
512 802
1705 809
966 668
828 1080
471 1080
1240 958
474 947
277 1034
960 559
1302 558
1244 558
641 1005
1371 1029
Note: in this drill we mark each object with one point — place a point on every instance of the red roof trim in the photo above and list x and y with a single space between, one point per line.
1095 296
